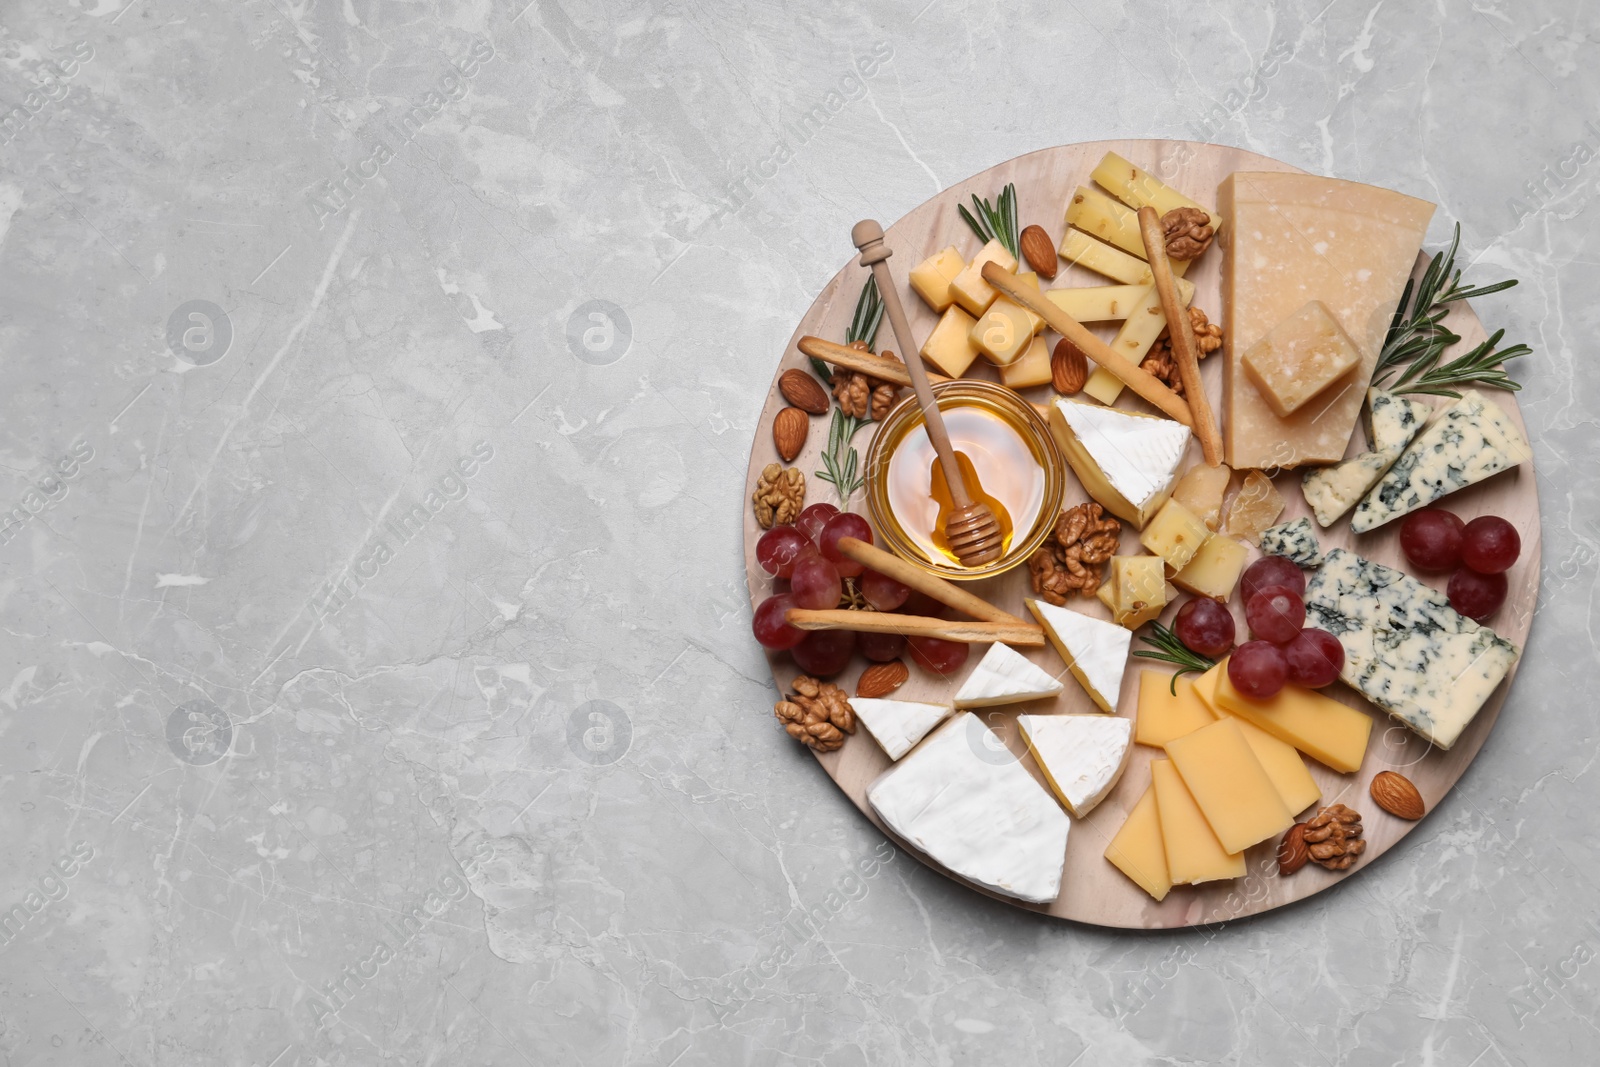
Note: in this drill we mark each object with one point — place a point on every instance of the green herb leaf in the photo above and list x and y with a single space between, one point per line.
1171 650
997 222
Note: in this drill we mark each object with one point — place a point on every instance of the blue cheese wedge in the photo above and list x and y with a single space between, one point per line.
1392 423
1471 440
897 725
1082 756
1005 676
971 806
1295 541
1405 648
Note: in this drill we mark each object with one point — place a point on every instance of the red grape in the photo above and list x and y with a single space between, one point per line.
1269 571
881 648
1490 545
1475 595
780 548
882 591
1205 626
824 652
1431 539
920 603
815 583
938 655
770 627
844 524
1275 614
1315 658
1258 669
814 518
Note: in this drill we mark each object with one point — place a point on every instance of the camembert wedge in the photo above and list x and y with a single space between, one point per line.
1082 756
1005 676
1096 651
1126 461
897 725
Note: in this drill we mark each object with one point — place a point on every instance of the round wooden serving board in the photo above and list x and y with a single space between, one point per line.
1092 890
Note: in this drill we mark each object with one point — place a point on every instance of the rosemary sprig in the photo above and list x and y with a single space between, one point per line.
1417 337
994 223
841 464
1172 650
863 326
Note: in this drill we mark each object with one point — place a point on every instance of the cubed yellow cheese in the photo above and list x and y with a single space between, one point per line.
1139 188
1284 766
1324 729
1098 303
1104 593
1143 328
949 347
1103 386
969 289
1137 581
1138 850
932 277
1299 358
1030 279
1215 569
1175 534
1193 852
1082 250
1002 332
1229 784
1201 490
1029 369
1163 714
1253 508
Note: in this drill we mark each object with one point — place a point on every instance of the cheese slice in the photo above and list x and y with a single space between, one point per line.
1292 238
1126 461
897 725
1082 756
1138 850
1005 676
1229 784
1139 188
1193 852
1284 766
1098 303
1392 423
1096 651
1029 369
1079 249
1471 440
1324 729
1205 687
1144 326
985 819
1165 714
1215 569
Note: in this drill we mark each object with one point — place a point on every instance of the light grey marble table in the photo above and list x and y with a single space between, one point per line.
377 683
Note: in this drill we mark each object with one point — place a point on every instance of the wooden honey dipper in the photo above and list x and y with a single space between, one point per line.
972 530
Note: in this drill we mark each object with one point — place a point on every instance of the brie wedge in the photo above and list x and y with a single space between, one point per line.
1005 676
1126 461
897 725
1095 650
971 806
1082 756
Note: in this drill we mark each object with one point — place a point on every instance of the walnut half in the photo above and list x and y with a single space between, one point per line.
818 715
779 496
1188 232
1072 559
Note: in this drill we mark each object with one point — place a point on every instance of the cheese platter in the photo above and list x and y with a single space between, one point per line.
1265 577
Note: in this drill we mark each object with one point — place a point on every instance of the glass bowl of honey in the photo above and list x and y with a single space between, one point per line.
1006 454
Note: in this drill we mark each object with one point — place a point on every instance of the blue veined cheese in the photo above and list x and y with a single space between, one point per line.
1295 541
1405 648
1392 423
1392 420
1469 441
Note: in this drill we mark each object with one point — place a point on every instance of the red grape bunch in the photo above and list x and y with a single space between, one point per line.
1480 552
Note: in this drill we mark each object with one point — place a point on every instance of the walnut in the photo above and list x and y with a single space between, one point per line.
779 496
1051 579
1073 557
818 715
1207 334
862 396
1161 363
1333 836
1188 232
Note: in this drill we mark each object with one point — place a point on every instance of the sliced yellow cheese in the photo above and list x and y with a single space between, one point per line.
1205 687
1138 850
1163 714
1299 358
1029 369
1097 214
1329 732
968 288
1215 569
949 347
1139 188
1098 303
1082 250
1144 326
1175 534
1193 852
1284 766
1229 784
1103 386
932 277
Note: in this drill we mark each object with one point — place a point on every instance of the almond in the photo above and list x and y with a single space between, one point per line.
1395 794
881 679
1038 250
804 392
789 431
1292 851
1069 368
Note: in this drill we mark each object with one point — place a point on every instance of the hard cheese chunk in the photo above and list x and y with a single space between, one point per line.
1201 490
1029 369
1290 239
1193 852
1471 440
1301 356
1175 534
1324 729
1005 676
986 820
1254 507
1082 756
969 289
1229 784
1082 250
1165 714
1126 461
1215 569
1096 651
932 277
1295 541
1392 423
897 725
949 347
1138 850
1405 648
1003 331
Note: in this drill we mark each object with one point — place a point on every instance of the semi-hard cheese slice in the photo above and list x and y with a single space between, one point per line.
1098 303
1193 852
1299 358
1292 238
1329 732
1295 541
1079 249
1392 423
1138 850
897 725
1096 651
1005 676
1126 461
1165 713
1284 766
1405 648
1471 440
983 818
1205 687
1139 188
1215 569
1082 756
1229 784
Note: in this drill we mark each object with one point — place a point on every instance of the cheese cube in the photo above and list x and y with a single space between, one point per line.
1003 331
1201 490
1324 729
1137 582
969 289
1283 765
1103 386
1230 785
1138 850
1193 852
949 347
1082 250
1029 369
1163 714
1175 534
932 277
1215 569
1254 507
1098 303
1299 358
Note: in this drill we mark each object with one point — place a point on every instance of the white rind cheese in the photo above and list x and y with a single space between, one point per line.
1127 462
971 806
1082 756
1295 541
1471 440
897 725
1005 676
1405 648
1392 423
1095 650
